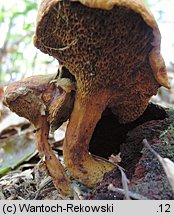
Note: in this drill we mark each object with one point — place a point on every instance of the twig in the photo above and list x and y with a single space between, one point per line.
147 145
125 182
77 193
167 164
131 194
45 182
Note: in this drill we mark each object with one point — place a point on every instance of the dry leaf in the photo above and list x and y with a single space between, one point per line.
125 182
115 158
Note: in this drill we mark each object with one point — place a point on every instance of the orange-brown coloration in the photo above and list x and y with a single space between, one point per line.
116 58
112 49
37 99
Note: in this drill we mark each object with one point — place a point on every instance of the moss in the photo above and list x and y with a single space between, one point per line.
154 182
167 137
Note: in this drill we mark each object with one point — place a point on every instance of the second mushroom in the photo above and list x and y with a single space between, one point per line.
111 50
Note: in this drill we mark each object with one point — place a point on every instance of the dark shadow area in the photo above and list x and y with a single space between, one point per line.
109 134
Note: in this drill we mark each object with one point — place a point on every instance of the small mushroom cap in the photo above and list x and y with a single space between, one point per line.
41 95
24 97
138 6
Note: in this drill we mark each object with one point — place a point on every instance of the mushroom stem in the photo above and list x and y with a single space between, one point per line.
40 101
80 163
53 165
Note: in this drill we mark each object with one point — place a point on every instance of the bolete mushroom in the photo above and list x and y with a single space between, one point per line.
113 50
45 100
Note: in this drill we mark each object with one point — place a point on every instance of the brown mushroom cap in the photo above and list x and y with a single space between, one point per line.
106 44
137 6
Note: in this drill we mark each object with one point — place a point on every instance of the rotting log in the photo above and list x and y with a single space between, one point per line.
146 175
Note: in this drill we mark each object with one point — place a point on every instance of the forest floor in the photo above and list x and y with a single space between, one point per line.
139 151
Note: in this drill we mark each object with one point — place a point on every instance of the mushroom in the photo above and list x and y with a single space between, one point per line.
45 100
112 48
